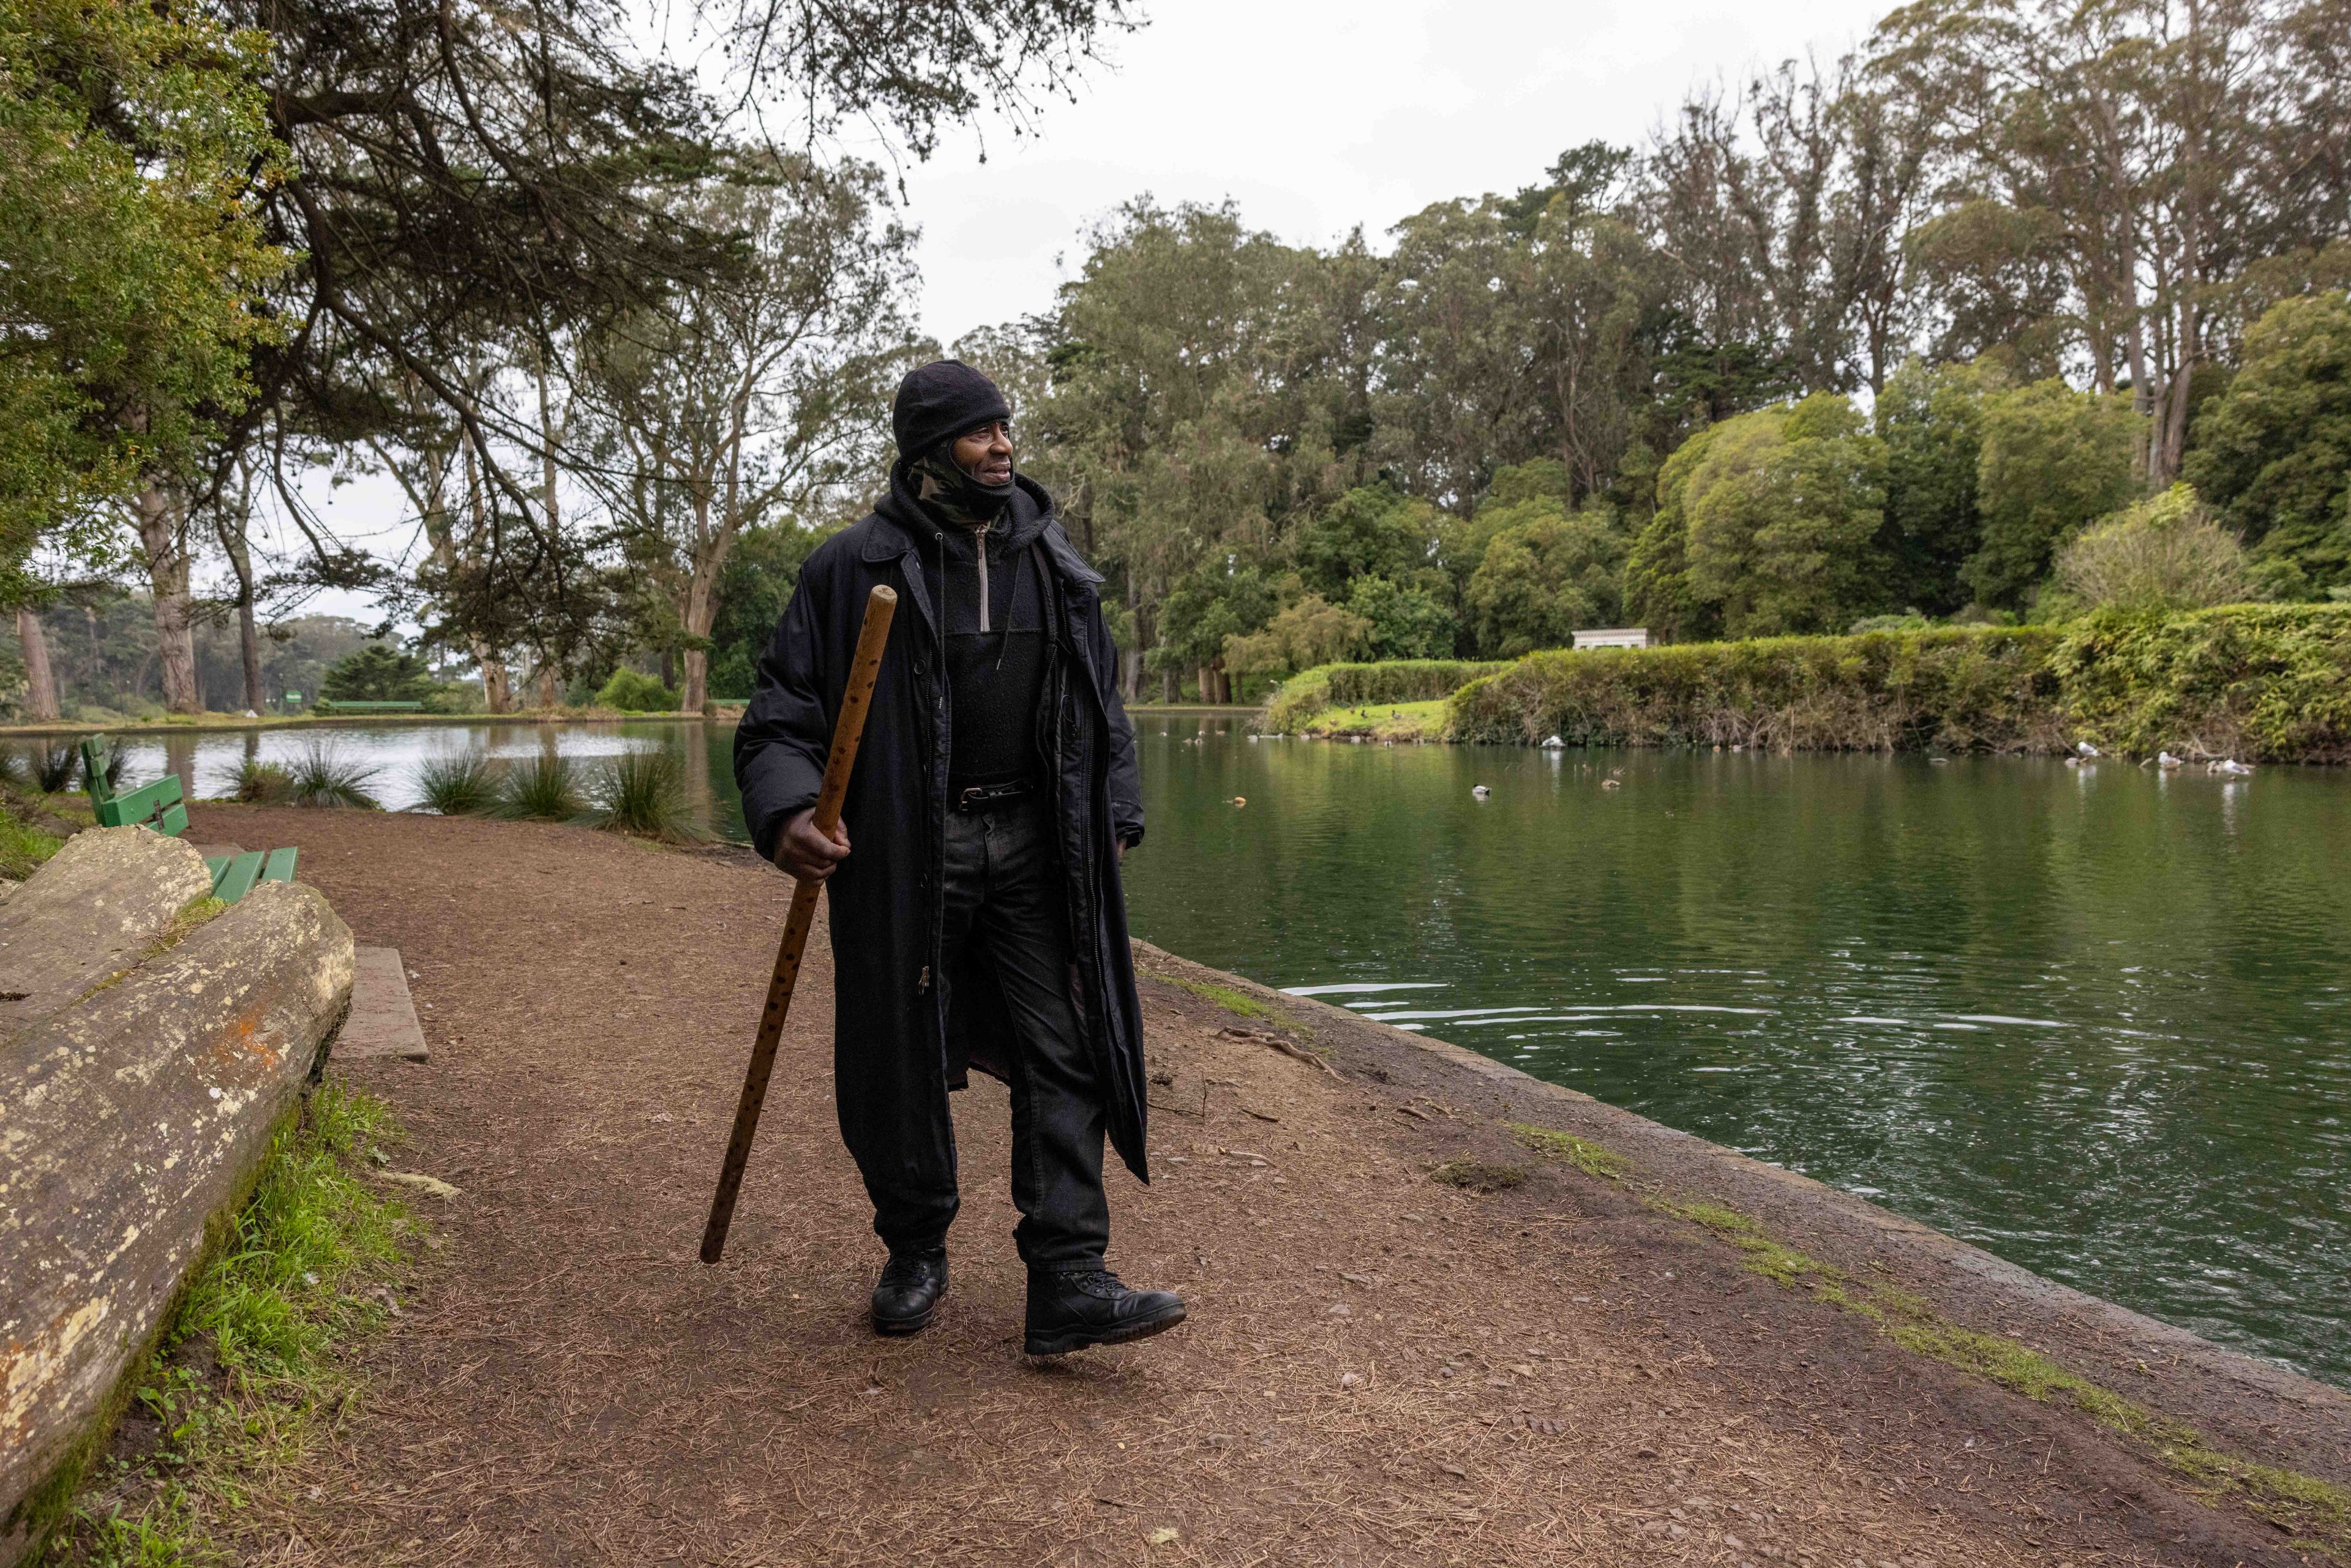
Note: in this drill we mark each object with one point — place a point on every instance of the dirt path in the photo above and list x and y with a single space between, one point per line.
1379 1368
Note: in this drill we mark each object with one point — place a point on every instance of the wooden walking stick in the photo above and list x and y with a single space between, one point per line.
847 730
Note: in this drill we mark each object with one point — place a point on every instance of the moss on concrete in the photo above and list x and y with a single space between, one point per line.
1581 1153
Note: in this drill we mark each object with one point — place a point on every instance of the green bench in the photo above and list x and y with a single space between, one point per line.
159 806
337 705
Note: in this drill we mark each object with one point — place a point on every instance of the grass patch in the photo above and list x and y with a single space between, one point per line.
1225 997
1479 1176
1386 684
546 789
1582 1154
1381 721
2316 1513
465 785
23 846
642 792
250 1367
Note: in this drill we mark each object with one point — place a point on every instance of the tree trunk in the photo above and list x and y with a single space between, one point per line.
497 684
550 696
240 558
1132 652
164 541
40 682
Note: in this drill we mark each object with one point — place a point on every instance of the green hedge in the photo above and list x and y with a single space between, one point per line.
2268 682
1310 692
2265 682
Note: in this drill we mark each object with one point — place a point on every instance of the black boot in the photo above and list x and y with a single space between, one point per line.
907 1296
1071 1311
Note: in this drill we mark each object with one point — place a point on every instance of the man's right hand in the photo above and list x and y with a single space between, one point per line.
806 853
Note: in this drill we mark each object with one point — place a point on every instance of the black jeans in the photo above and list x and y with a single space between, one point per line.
1005 891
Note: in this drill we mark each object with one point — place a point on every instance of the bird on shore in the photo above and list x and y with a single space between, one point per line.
1611 784
2232 768
2164 760
1554 744
2083 748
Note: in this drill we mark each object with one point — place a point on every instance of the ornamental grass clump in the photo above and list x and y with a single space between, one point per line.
323 777
52 766
546 789
644 793
465 785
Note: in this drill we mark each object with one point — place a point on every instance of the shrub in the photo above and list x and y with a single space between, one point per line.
2270 682
323 777
1543 577
2265 681
263 784
631 692
1988 689
1309 632
465 785
2167 552
644 793
1350 686
453 696
546 787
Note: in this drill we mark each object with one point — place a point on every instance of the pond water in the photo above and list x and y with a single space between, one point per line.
2096 1019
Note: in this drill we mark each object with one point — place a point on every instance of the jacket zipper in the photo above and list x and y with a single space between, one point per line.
979 541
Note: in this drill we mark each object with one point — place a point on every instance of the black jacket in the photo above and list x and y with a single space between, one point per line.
895 1051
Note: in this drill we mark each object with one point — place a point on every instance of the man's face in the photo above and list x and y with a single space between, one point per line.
986 454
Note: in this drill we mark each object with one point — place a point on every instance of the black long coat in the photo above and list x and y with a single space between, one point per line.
896 1053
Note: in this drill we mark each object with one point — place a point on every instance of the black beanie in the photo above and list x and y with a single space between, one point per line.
940 401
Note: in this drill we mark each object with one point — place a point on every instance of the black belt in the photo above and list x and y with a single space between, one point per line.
988 797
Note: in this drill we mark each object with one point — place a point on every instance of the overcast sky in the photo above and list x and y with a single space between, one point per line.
1314 115
1317 117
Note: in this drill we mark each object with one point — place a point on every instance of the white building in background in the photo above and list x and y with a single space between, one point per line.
1613 637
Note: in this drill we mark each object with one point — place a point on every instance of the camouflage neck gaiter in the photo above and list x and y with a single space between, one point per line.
941 485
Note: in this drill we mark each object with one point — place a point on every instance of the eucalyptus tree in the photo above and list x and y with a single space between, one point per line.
746 401
2112 169
463 175
132 141
1167 415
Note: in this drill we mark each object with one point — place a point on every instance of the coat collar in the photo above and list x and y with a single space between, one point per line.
889 538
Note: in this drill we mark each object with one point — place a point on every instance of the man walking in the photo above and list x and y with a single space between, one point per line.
978 921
